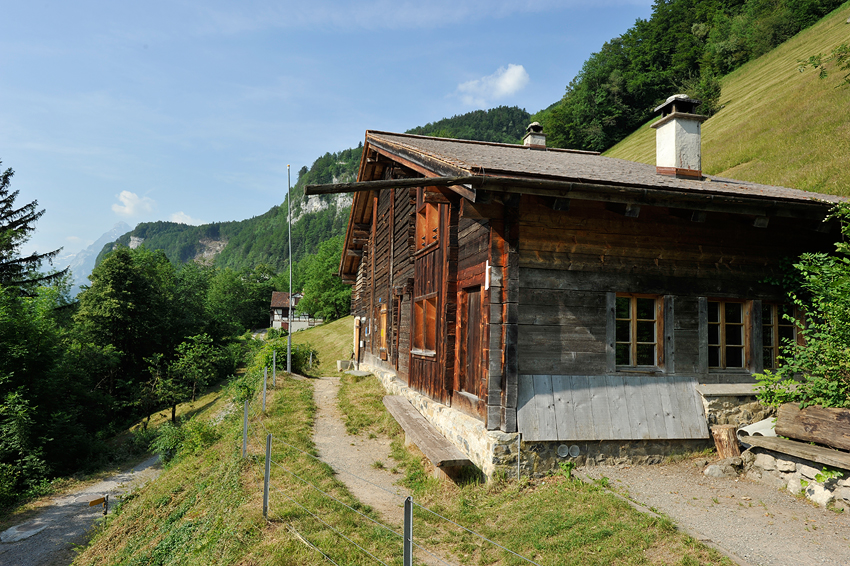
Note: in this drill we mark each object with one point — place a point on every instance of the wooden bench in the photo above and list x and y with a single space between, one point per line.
812 424
444 455
820 454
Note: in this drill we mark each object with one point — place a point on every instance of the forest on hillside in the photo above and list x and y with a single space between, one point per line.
685 46
504 124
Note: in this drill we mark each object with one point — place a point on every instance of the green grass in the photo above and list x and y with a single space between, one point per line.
779 126
333 342
206 508
554 520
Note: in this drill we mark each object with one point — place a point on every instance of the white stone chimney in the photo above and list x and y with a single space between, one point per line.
534 136
677 138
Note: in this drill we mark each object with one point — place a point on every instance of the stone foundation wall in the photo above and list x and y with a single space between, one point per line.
495 452
798 476
540 458
492 451
734 409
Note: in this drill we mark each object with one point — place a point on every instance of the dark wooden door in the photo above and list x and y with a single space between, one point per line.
472 374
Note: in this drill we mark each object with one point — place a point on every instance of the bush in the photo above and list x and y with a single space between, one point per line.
173 441
817 372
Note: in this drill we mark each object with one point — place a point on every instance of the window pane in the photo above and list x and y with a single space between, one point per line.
646 309
714 334
767 314
623 355
767 336
734 335
734 312
645 331
713 311
713 356
623 331
734 357
646 354
767 358
623 307
786 333
783 311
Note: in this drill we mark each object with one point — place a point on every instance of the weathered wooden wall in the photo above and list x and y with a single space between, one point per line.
571 265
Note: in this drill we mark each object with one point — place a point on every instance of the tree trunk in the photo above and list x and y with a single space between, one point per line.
174 414
726 441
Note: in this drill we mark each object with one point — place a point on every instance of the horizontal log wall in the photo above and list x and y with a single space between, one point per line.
571 260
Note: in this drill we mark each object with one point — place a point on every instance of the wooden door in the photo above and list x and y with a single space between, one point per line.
426 375
470 389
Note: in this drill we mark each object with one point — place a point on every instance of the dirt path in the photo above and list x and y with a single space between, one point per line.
49 539
760 524
356 454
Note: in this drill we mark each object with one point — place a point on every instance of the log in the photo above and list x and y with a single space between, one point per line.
726 441
830 427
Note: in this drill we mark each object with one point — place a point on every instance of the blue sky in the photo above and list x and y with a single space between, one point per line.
190 110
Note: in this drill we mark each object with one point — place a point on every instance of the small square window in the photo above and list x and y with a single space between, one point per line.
726 335
636 331
778 331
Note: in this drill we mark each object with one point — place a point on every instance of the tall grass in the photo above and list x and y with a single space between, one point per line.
778 126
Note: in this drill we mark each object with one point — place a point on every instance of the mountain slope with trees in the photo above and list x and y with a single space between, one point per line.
778 125
685 46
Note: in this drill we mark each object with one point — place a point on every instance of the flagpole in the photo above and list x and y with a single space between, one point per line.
289 227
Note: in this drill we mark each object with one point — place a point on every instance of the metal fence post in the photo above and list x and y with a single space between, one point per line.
245 431
518 453
268 470
265 378
408 531
274 368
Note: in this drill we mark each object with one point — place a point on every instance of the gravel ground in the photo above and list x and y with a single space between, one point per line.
50 537
356 454
758 523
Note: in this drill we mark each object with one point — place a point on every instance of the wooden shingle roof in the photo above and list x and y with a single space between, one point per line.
463 157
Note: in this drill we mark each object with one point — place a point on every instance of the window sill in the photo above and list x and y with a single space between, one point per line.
730 370
644 370
424 353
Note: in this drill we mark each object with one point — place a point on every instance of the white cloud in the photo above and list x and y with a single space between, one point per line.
183 218
504 82
133 205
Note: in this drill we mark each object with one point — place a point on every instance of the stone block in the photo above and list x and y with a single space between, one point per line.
807 471
783 465
842 493
794 486
765 462
720 471
819 495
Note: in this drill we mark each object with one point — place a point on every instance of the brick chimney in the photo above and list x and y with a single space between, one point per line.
534 136
677 138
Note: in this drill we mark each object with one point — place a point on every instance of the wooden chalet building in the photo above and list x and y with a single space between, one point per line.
566 296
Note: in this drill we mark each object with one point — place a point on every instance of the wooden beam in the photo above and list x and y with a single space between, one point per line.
829 426
354 253
336 188
818 454
702 201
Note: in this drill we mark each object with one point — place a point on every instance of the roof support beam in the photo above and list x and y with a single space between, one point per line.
703 200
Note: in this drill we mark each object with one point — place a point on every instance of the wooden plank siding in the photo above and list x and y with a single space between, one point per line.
608 407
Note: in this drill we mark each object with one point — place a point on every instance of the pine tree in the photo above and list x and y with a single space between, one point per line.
16 224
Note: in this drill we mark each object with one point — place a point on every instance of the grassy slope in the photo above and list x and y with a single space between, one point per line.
333 341
779 126
207 508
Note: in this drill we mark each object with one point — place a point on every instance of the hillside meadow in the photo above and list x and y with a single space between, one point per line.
777 125
206 508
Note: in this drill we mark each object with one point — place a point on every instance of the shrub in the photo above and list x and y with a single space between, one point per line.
817 371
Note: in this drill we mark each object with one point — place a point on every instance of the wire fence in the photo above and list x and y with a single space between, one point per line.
254 427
